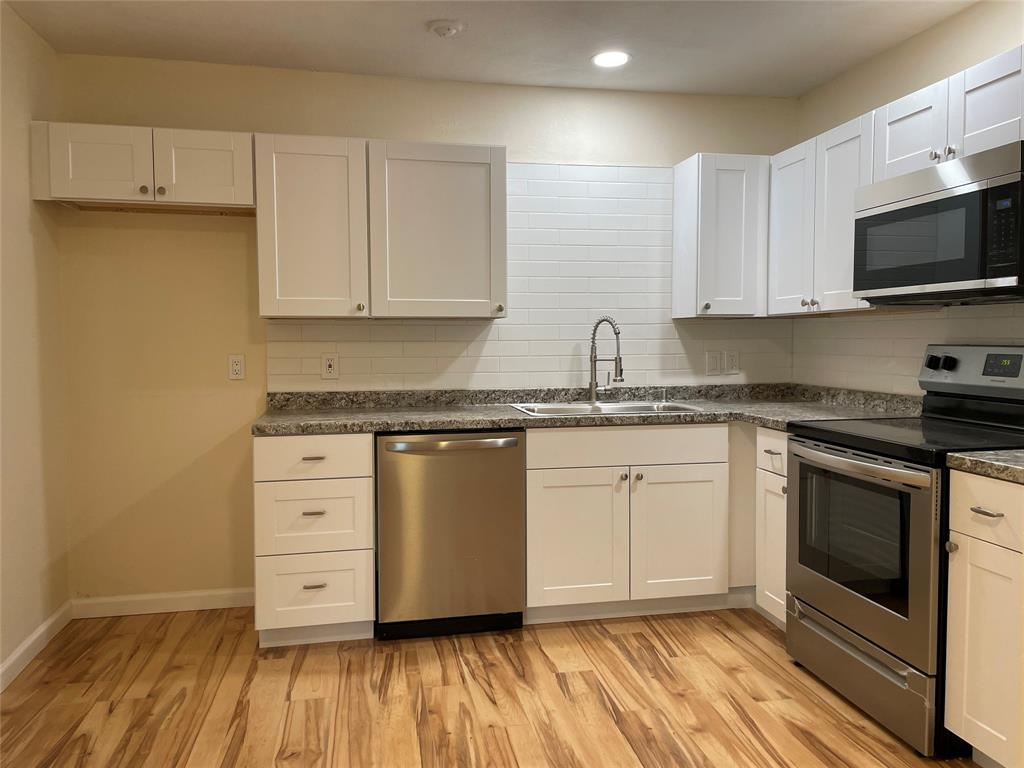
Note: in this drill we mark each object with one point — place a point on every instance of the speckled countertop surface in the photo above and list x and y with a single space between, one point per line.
1002 465
774 415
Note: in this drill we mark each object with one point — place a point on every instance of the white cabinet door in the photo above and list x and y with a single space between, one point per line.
311 226
437 230
679 530
770 549
202 167
732 234
986 103
910 133
791 230
577 535
984 648
843 163
101 162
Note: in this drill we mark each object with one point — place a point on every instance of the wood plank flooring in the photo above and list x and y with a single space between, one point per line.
192 689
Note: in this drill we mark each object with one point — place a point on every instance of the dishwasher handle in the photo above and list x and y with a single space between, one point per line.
434 446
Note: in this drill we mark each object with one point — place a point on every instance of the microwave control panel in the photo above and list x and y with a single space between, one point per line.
1003 235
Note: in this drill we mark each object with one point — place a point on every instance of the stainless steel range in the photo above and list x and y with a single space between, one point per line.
866 566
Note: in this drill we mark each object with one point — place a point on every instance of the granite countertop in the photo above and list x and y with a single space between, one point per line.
774 415
1002 465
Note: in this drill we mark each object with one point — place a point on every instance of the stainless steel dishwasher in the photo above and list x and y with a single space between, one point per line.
451 533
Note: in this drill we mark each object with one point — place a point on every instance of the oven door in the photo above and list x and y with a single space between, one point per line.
862 546
930 244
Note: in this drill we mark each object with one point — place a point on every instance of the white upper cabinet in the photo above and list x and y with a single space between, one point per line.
986 103
791 230
93 162
720 236
843 163
202 167
679 530
910 133
311 225
437 230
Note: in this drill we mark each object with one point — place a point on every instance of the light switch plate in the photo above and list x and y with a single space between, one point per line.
714 360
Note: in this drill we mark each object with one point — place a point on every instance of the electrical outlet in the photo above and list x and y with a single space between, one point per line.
713 362
328 366
732 361
236 367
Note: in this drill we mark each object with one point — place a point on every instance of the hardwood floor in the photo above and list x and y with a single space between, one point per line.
191 689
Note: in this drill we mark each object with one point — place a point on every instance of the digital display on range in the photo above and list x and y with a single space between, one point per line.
1003 366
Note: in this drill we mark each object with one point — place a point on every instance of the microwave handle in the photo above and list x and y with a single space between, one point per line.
865 468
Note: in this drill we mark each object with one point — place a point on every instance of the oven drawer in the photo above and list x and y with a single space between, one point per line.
898 696
987 509
771 450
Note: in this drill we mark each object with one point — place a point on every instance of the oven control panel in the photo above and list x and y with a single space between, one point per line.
973 370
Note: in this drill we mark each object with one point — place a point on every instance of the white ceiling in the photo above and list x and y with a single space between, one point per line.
765 47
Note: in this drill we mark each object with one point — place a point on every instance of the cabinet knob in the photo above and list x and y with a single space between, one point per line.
952 546
934 155
785 490
815 302
639 476
949 151
707 306
804 303
500 308
161 190
624 476
144 189
360 307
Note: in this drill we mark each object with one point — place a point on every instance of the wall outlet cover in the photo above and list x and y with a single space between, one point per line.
328 366
236 367
732 362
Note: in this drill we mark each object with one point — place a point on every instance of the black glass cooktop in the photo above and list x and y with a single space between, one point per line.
925 440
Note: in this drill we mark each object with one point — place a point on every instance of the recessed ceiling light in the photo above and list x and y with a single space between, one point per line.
610 59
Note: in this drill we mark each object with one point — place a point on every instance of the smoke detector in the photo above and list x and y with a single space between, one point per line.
446 28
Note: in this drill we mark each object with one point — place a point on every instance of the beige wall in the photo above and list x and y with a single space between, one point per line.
33 445
983 30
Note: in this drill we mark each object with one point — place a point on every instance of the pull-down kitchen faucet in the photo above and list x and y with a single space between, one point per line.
594 359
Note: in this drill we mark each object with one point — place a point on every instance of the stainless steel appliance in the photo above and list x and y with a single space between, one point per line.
451 533
946 234
867 520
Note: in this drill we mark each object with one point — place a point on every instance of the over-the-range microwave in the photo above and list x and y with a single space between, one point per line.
948 234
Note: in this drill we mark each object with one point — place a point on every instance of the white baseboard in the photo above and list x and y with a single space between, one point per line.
160 602
738 597
326 633
20 657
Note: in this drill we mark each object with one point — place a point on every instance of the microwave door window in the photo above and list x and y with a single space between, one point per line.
857 535
931 243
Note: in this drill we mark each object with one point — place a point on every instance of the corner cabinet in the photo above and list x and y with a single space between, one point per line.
643 514
124 164
720 236
437 230
311 225
985 617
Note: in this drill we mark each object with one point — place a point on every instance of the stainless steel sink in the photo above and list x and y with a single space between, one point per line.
604 409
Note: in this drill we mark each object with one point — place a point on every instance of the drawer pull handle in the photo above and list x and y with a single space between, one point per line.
310 587
785 490
772 452
314 458
314 513
986 512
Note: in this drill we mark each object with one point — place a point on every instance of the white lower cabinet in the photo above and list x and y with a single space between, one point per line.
626 531
985 617
679 530
770 547
577 535
311 589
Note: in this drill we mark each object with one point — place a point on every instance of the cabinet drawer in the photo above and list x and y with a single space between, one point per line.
321 588
771 450
314 516
1002 501
308 457
626 446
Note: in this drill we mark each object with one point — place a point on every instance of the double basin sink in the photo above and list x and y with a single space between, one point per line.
604 409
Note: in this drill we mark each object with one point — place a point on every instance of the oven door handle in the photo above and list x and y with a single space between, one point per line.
865 468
